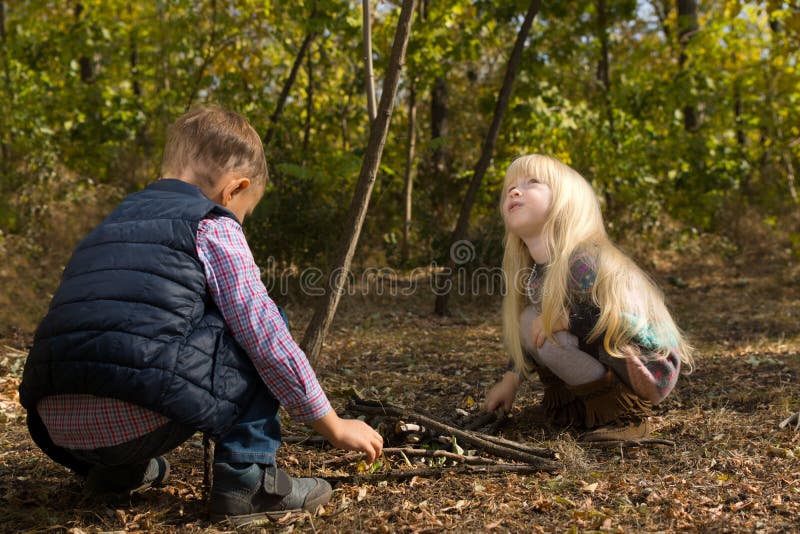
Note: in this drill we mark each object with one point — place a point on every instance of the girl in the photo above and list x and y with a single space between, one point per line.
578 311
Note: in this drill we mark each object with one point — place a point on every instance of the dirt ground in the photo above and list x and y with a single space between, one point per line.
731 468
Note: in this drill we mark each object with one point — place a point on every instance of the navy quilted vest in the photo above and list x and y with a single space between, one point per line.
133 320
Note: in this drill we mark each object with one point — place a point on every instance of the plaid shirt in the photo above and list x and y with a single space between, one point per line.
234 282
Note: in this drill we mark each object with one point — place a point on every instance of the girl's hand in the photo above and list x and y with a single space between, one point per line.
502 394
537 329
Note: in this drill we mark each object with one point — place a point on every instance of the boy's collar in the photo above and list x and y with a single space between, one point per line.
173 185
177 186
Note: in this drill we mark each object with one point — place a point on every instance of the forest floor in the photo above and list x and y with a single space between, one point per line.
731 468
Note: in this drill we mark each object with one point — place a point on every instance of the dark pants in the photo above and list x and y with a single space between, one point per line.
254 438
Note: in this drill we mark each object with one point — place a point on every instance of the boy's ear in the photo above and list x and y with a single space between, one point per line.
234 184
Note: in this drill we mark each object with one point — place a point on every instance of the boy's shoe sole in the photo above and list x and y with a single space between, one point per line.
319 495
262 517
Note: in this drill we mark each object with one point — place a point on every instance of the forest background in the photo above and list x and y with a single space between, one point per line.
684 116
685 119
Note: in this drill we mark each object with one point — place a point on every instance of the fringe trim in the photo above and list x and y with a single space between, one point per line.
608 400
559 403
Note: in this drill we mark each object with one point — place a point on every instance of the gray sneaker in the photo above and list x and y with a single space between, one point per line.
245 494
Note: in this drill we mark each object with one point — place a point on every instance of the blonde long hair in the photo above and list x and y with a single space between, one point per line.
631 305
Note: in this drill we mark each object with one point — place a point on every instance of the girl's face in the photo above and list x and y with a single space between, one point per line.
526 206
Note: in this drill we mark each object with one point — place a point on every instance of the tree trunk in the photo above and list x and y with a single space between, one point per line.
323 315
134 58
85 63
487 150
309 102
777 152
737 113
208 56
410 152
367 30
687 28
287 86
9 93
603 74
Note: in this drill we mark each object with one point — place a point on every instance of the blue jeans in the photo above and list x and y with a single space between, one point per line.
254 438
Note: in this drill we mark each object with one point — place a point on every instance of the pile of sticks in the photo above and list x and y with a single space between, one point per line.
526 458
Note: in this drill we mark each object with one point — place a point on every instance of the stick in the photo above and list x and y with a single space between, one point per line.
536 451
208 467
482 419
308 440
402 474
630 443
472 438
429 453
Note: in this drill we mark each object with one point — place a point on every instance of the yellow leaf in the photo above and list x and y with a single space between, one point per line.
590 488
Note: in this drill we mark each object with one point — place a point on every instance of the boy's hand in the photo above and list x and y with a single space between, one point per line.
502 394
350 434
537 329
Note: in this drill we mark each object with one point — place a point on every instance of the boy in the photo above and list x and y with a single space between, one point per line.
161 327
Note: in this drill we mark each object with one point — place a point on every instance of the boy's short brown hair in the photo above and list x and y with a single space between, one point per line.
211 141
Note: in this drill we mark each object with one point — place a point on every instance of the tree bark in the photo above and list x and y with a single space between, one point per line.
288 83
603 67
687 28
134 58
309 102
367 30
85 63
323 315
9 96
410 153
487 150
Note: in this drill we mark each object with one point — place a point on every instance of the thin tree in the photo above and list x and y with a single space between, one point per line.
409 178
687 29
9 97
289 82
85 63
603 66
367 29
487 150
309 102
379 129
287 87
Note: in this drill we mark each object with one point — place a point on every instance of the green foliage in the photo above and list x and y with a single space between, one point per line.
88 88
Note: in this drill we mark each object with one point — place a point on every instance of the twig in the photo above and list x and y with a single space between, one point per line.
482 419
429 453
312 440
793 419
522 447
630 443
498 422
402 474
208 468
465 436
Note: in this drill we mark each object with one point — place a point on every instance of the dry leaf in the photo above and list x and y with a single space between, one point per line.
590 488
